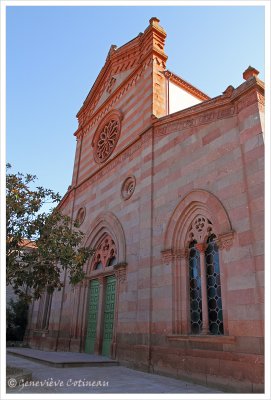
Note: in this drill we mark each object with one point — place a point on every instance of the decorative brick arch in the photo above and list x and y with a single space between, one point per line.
108 224
105 254
196 202
198 215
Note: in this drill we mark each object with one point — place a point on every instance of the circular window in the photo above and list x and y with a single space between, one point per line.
128 187
80 215
106 137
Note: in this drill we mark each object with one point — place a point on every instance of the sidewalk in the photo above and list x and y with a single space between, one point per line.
95 379
61 359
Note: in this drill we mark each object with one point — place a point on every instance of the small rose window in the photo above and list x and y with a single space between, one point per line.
128 187
80 215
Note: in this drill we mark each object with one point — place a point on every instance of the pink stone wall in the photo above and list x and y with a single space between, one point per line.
212 154
225 158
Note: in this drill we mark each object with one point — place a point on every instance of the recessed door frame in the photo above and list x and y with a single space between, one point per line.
102 279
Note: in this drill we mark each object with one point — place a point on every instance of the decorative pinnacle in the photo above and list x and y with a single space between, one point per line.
113 48
249 72
154 21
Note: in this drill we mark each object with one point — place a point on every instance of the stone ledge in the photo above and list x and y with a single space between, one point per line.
63 359
203 338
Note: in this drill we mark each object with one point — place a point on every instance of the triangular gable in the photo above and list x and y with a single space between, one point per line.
112 83
119 64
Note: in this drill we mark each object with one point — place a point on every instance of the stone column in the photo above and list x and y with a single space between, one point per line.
85 286
120 273
225 243
78 296
99 329
183 297
74 313
169 258
205 317
75 338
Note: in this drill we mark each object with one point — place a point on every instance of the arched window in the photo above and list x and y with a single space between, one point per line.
198 234
44 310
206 315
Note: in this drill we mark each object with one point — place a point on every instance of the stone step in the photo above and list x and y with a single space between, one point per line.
63 359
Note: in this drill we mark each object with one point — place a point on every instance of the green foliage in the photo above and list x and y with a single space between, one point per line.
40 245
16 320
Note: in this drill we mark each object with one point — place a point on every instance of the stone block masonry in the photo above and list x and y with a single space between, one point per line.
174 206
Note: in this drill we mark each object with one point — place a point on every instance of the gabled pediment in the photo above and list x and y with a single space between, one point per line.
120 63
112 83
123 67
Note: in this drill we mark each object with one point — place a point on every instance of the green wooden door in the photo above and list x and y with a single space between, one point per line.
92 316
109 307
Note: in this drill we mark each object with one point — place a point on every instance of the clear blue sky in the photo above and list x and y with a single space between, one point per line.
54 54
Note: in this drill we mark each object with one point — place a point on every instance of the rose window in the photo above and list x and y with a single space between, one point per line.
80 215
106 137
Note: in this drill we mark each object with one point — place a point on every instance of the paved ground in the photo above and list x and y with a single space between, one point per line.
62 358
96 379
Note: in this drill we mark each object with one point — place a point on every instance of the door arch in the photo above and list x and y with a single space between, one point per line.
106 265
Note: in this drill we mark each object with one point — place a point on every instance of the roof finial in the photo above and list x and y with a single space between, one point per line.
154 21
249 72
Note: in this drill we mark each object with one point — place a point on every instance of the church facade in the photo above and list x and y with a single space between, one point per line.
168 186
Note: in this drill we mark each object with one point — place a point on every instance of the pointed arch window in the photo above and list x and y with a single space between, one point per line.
197 236
44 310
206 313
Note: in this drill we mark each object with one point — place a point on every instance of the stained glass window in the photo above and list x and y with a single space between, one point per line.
98 265
112 261
195 289
213 287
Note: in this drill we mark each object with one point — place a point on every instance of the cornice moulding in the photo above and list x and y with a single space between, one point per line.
153 32
186 85
114 94
223 339
139 139
212 104
111 59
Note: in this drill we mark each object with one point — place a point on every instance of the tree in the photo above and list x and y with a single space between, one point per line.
16 319
40 244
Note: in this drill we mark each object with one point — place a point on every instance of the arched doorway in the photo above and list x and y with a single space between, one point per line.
106 266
